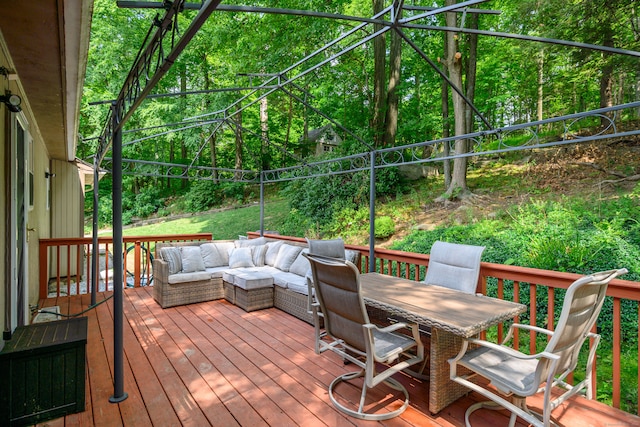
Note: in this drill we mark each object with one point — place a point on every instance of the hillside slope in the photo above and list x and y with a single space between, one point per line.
591 171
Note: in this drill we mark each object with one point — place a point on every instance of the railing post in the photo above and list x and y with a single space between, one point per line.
136 264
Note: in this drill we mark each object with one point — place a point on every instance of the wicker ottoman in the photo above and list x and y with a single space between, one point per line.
250 290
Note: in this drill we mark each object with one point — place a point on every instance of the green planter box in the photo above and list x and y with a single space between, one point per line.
43 372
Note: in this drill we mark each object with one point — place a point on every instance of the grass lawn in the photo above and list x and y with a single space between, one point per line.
223 225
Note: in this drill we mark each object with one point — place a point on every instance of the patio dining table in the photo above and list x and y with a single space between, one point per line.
451 314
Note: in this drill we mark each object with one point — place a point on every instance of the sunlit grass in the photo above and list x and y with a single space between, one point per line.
227 224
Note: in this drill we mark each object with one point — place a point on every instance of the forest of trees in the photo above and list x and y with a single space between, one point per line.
388 91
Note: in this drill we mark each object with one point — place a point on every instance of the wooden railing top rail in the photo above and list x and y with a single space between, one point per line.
618 288
107 239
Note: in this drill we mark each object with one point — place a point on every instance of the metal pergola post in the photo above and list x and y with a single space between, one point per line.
372 213
118 271
95 255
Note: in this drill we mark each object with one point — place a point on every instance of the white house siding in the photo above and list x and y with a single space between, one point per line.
67 212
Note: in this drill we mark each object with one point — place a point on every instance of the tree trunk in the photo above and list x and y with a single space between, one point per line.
540 85
606 79
183 104
207 103
472 62
288 133
379 77
446 126
239 143
395 63
446 132
264 126
214 156
458 185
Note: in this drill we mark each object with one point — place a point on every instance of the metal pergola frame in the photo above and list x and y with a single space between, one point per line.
164 44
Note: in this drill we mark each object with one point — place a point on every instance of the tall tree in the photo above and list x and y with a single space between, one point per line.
453 61
379 78
238 142
395 67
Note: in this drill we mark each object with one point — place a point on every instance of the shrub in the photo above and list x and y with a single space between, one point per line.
385 227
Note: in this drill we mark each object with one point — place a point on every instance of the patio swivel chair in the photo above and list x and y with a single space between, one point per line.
516 375
337 285
454 266
333 248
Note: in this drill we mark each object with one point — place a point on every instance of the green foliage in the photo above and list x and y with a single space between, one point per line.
385 227
335 203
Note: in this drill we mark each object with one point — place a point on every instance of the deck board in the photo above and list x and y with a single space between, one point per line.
214 364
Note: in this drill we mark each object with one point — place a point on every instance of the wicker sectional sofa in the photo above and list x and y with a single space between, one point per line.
253 274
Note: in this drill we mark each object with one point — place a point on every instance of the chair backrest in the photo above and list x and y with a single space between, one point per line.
337 285
454 266
580 309
333 248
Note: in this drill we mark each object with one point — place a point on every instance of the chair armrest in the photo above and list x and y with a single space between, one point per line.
509 351
524 327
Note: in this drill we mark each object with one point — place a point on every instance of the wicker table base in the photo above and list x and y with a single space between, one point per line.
443 391
249 300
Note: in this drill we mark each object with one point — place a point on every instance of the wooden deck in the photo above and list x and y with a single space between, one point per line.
214 364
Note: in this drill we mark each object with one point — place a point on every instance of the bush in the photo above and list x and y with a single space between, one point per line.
203 195
385 227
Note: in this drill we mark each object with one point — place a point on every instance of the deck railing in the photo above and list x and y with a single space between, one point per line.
63 262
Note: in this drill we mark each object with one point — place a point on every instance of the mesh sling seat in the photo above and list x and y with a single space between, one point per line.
337 285
516 375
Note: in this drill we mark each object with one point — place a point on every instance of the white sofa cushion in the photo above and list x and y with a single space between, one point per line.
291 281
301 265
216 272
241 257
173 257
191 259
197 276
252 280
273 248
251 242
286 256
215 254
351 255
258 255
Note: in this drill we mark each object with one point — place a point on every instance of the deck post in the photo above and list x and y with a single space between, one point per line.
118 349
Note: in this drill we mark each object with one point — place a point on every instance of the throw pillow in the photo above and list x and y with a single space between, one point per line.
258 255
191 259
351 255
251 242
301 265
286 256
215 254
172 255
272 252
241 257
